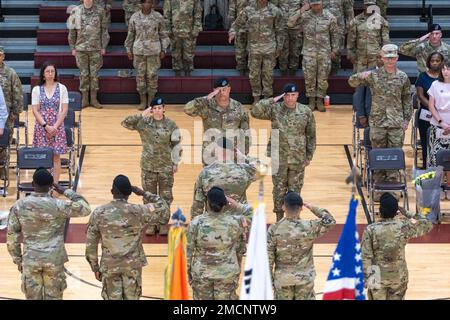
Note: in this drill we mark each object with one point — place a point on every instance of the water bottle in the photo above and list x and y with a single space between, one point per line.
326 102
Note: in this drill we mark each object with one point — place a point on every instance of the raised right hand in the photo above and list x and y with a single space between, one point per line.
422 38
213 94
137 191
277 98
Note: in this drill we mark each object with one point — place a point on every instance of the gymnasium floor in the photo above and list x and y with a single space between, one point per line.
109 149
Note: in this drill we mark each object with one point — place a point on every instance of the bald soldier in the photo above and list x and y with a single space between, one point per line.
383 249
119 226
292 142
39 222
221 116
424 46
290 244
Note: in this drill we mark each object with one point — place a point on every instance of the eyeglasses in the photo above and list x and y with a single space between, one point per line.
49 71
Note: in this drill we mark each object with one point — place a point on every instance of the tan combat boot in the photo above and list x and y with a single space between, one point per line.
94 101
319 104
84 99
143 100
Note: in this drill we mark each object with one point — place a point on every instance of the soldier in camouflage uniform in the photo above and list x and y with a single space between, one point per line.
320 46
118 225
367 34
292 142
383 5
161 152
290 247
391 104
184 23
240 41
39 220
383 249
130 7
146 44
343 11
424 46
213 238
264 23
221 115
290 55
106 6
12 91
88 39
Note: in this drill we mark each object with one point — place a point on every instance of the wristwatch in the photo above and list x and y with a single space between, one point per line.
440 121
44 125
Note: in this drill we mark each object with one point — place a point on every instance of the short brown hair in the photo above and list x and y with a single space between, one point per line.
445 63
41 73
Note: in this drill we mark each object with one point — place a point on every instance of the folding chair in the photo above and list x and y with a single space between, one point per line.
4 164
362 156
391 159
69 162
443 159
75 105
29 159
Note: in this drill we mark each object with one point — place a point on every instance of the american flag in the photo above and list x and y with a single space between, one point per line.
346 278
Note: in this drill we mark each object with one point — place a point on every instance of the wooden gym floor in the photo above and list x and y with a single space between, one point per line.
109 149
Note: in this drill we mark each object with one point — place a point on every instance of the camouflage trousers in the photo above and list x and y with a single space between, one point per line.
336 64
316 69
288 178
124 285
303 291
89 63
160 183
4 174
261 73
147 73
240 48
383 4
183 50
205 289
43 282
393 292
290 55
386 138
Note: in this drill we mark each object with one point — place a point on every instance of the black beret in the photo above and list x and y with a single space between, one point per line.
42 177
221 82
122 183
290 87
217 196
157 101
435 27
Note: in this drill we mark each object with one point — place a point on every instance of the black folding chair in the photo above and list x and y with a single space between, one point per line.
75 105
22 124
29 159
4 163
390 159
69 162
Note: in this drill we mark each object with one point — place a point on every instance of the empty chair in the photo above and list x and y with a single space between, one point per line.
31 159
75 105
69 161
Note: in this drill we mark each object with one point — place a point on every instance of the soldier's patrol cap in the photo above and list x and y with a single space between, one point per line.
157 102
369 2
221 82
42 177
2 50
290 87
123 184
315 1
390 51
435 27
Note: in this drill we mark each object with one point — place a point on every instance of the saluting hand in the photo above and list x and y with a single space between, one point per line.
147 112
307 205
422 38
277 98
232 203
213 94
137 191
58 188
364 75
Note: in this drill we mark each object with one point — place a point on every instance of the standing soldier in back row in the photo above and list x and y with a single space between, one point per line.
130 7
146 44
264 23
118 225
12 91
88 39
183 22
343 11
240 41
292 142
383 249
367 34
320 46
39 221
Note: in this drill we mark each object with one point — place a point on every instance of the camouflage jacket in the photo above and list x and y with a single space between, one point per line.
290 247
383 247
161 147
391 97
421 51
265 28
235 7
88 29
183 18
217 120
233 178
118 226
320 32
131 5
288 8
41 220
295 130
342 10
12 91
213 242
147 34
